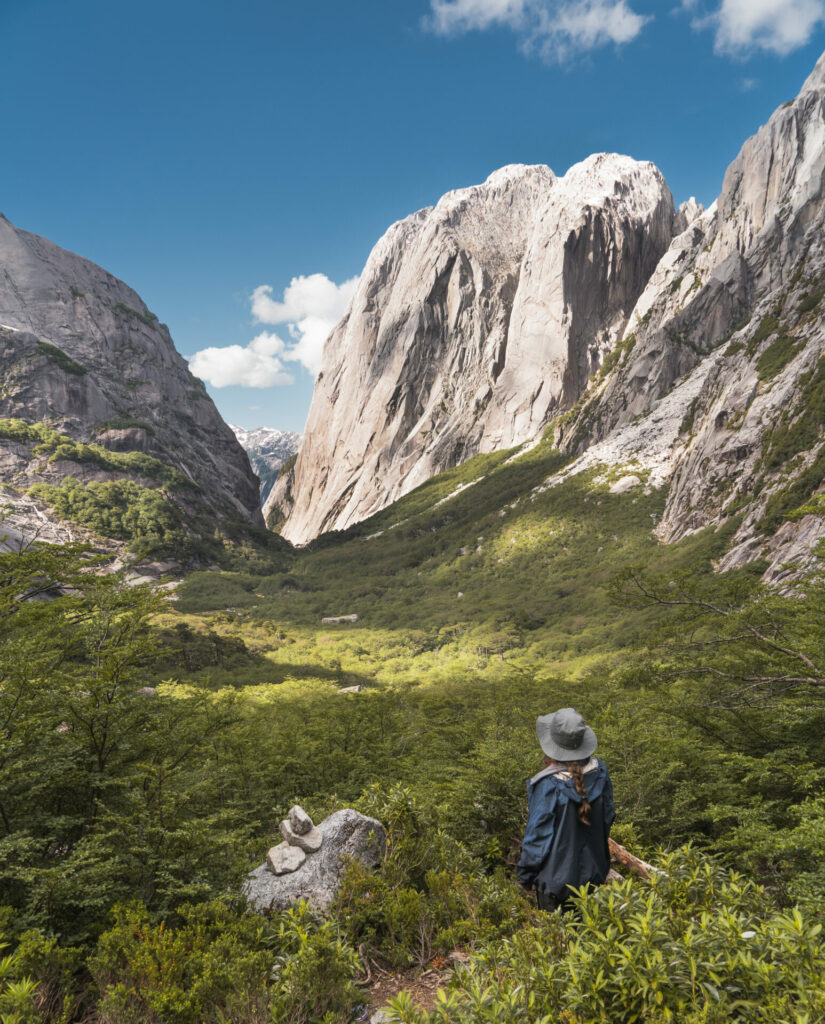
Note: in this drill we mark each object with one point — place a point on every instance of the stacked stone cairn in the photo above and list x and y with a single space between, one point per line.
301 837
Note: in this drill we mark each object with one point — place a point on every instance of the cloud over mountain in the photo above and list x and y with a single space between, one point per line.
311 306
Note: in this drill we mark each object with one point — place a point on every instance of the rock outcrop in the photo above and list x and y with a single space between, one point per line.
79 349
729 335
346 836
473 324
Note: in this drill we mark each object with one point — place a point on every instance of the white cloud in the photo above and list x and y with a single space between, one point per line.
451 16
779 26
310 308
314 295
255 366
557 29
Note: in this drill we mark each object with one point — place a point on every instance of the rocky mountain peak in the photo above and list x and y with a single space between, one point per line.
80 351
688 341
473 323
815 82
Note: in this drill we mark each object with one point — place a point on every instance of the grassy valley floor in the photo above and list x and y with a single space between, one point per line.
483 599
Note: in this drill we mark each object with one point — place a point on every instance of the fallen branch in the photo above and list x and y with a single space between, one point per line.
620 855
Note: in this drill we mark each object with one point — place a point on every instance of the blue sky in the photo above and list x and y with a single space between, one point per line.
209 151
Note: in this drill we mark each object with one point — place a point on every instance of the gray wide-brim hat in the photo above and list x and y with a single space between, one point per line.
564 735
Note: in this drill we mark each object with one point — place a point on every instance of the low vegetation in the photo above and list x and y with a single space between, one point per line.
148 749
120 509
60 358
47 441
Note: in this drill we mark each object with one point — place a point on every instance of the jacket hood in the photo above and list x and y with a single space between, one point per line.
594 781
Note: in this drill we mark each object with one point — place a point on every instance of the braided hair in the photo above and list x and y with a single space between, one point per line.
576 773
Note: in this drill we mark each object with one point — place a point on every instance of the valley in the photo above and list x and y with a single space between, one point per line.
566 448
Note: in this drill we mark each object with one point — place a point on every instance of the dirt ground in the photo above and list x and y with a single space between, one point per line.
421 983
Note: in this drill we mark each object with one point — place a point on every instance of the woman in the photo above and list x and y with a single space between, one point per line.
570 812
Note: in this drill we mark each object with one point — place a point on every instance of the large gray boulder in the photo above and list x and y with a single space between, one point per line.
348 835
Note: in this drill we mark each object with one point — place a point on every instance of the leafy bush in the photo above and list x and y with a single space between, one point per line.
214 965
800 427
314 970
120 509
696 945
16 990
59 358
57 446
124 423
777 356
148 317
428 895
218 965
784 502
810 300
767 326
58 975
615 356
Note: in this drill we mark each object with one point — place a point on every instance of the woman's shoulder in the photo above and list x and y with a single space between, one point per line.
549 774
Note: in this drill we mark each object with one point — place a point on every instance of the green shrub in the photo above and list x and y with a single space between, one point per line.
59 358
777 356
148 317
58 974
810 300
124 423
212 966
767 326
120 509
696 945
17 991
219 965
614 357
686 426
428 896
313 970
57 446
788 498
800 427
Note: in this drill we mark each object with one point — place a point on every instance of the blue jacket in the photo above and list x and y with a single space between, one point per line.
559 850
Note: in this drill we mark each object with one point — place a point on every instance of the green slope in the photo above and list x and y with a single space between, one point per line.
481 565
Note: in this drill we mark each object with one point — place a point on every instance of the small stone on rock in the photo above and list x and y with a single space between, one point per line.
284 859
299 820
309 841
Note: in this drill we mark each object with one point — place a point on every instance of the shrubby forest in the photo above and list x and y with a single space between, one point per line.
151 741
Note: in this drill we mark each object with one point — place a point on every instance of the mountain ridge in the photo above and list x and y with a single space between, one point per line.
84 359
438 343
712 299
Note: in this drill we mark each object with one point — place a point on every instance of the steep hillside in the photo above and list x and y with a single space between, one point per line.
473 324
712 380
723 354
268 450
93 391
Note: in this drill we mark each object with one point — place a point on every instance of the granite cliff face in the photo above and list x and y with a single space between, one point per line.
724 351
474 323
687 343
79 349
